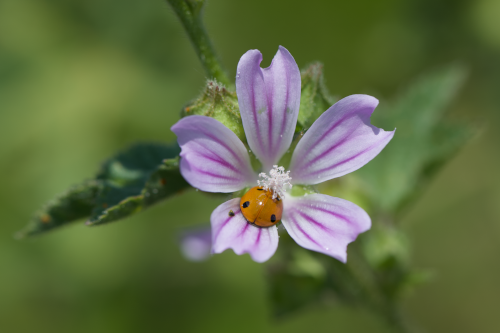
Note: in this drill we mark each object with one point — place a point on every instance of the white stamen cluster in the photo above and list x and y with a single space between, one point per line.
277 181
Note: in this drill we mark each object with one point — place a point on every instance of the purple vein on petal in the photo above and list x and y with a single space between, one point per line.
301 164
254 112
325 134
329 150
220 162
285 114
214 174
313 221
324 228
269 100
303 232
243 230
350 158
215 157
222 143
224 224
257 239
342 217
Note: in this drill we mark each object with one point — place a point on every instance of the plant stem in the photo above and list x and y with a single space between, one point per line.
190 14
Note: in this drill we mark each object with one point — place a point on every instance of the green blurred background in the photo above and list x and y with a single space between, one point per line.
81 79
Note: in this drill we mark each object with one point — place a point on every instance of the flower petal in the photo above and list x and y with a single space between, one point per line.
323 223
213 159
234 232
340 141
196 244
269 102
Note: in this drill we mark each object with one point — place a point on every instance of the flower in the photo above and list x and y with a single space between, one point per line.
340 141
195 243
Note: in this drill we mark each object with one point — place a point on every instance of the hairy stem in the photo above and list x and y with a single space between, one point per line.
190 14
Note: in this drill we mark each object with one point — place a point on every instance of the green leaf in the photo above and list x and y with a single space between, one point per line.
423 141
74 204
218 102
135 179
315 98
116 202
131 181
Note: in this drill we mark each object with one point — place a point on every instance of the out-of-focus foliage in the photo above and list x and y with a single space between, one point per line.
424 139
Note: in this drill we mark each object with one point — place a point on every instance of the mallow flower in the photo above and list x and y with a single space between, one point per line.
195 243
340 141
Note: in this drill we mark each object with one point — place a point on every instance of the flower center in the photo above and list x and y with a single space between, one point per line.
277 181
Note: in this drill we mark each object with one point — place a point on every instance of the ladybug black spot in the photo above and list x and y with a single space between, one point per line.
246 204
260 189
273 218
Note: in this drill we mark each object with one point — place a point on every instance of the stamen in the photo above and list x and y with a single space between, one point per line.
277 181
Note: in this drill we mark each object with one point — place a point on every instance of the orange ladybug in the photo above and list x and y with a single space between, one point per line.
259 208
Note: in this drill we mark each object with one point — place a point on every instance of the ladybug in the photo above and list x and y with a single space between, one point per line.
259 207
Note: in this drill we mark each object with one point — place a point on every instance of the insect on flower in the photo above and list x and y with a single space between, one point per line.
341 140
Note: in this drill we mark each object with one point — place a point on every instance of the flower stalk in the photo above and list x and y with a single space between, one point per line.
190 13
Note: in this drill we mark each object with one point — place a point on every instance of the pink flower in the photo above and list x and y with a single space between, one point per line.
341 140
196 243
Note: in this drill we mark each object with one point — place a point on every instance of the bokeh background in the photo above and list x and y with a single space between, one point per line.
81 79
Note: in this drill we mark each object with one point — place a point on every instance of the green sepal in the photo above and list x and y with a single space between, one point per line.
315 98
219 103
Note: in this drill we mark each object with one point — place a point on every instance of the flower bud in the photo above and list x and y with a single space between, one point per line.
219 103
315 98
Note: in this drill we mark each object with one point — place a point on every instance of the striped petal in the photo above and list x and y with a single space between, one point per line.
269 102
232 231
340 141
213 159
323 223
